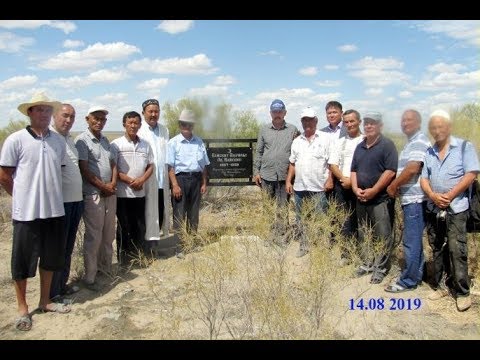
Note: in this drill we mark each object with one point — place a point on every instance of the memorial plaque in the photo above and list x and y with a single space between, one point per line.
228 163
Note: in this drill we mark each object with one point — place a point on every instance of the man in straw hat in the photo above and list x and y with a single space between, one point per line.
30 171
187 160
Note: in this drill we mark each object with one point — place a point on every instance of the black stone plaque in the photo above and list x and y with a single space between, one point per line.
228 163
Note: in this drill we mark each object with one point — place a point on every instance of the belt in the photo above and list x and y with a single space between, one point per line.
183 173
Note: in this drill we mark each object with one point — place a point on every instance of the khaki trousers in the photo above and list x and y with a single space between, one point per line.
99 219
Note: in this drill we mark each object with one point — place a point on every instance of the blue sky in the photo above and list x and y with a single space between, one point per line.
382 65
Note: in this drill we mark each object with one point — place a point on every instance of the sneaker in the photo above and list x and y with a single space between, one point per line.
301 252
437 294
464 303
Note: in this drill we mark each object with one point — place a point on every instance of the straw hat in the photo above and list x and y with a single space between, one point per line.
38 99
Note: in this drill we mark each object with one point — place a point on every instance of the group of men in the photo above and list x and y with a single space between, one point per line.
55 181
364 174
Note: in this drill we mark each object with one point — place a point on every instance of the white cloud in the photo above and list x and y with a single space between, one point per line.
373 91
209 90
328 83
308 71
71 44
466 31
444 97
111 98
198 64
89 57
101 77
224 80
442 67
377 63
153 84
12 43
475 95
450 80
405 94
269 53
175 26
378 72
347 48
18 82
66 26
331 67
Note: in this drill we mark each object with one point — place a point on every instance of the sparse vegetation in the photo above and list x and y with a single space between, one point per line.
232 286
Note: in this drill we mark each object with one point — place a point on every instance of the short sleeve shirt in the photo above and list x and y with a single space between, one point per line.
371 163
445 174
37 179
187 155
132 159
98 154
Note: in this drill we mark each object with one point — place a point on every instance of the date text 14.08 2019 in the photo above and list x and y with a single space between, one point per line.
393 304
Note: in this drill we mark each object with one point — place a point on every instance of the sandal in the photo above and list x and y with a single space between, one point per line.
56 307
397 288
23 323
377 278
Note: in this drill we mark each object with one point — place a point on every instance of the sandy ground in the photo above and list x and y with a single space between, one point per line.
154 303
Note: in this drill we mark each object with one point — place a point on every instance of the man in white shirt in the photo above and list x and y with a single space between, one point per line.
63 120
340 161
134 160
308 165
30 171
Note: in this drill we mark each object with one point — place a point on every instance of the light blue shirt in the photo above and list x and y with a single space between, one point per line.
187 155
445 174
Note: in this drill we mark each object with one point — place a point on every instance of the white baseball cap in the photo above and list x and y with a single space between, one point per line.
97 108
308 113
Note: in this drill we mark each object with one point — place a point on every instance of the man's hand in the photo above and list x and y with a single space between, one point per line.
177 192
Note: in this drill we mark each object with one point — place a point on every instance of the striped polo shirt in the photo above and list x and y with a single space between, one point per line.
414 150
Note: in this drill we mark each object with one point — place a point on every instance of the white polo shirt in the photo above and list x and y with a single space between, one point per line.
37 179
71 176
132 159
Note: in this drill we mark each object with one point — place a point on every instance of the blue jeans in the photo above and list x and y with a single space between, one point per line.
320 206
413 225
73 214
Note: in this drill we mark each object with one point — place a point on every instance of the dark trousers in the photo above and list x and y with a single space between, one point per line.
161 208
276 190
131 229
347 199
73 214
187 208
375 252
448 240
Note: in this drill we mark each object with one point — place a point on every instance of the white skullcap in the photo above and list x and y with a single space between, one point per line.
440 113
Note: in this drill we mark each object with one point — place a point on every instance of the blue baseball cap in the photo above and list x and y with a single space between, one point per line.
277 105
